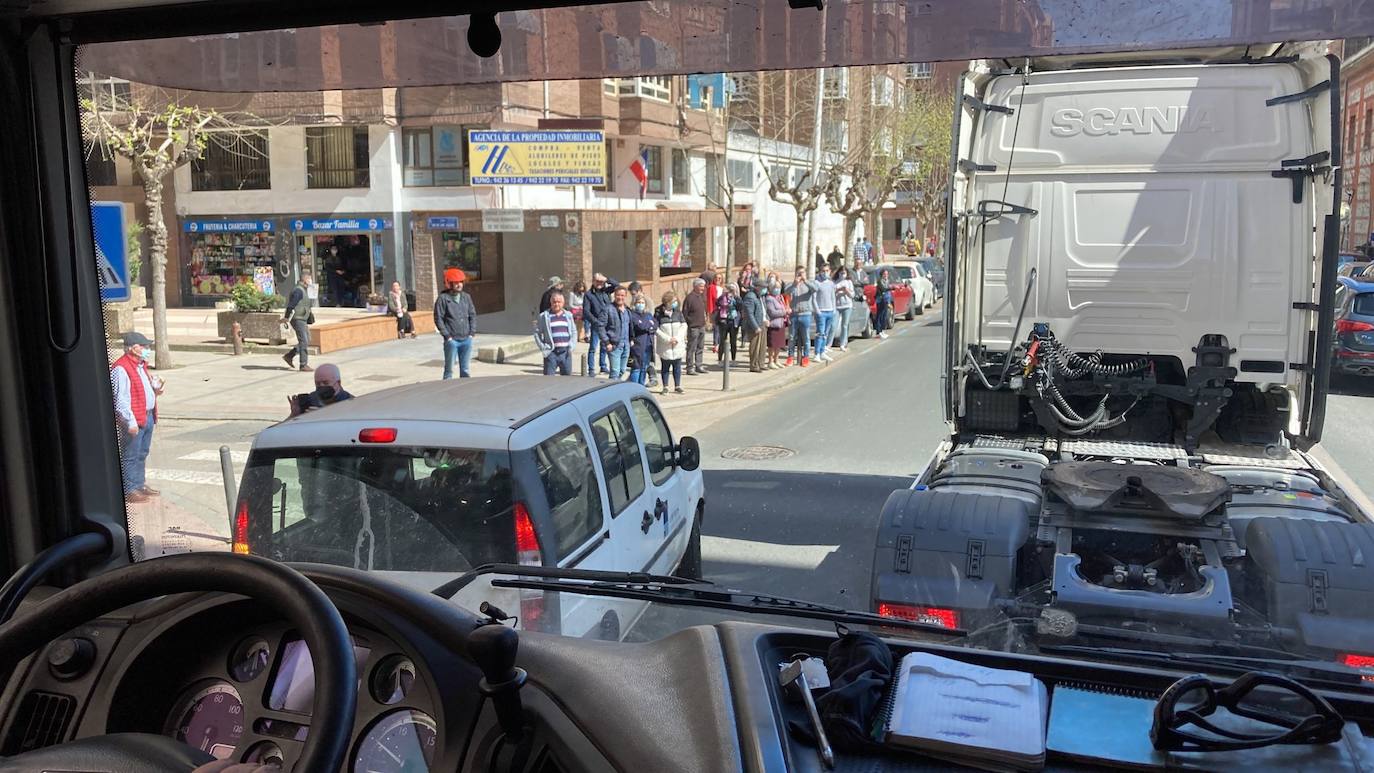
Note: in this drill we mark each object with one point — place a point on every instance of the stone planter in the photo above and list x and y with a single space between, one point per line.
259 325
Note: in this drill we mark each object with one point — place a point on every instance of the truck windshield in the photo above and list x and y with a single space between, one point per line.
394 508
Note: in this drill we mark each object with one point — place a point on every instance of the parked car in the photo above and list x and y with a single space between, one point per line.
902 293
914 276
427 481
936 272
1353 345
1353 268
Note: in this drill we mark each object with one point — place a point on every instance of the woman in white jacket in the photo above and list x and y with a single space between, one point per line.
671 343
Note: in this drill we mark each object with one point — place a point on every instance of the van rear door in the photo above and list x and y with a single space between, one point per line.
1156 204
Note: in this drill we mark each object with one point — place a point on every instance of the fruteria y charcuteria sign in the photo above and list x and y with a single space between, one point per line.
549 157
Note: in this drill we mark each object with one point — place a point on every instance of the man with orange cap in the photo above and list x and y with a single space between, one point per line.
456 320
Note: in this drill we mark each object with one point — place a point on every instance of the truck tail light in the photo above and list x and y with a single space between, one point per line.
527 554
941 616
241 528
1364 663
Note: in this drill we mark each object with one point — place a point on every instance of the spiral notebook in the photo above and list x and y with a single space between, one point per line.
985 718
1096 723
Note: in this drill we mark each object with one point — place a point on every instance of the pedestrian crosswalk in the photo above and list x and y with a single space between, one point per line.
195 477
212 455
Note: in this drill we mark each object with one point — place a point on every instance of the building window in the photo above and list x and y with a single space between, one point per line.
100 167
610 170
741 173
835 135
337 157
437 155
882 91
608 86
654 168
682 177
920 71
652 86
836 82
233 162
1350 136
885 140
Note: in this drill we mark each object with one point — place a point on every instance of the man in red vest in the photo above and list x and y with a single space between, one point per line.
135 400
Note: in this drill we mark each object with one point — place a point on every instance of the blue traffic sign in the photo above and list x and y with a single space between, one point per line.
111 249
436 223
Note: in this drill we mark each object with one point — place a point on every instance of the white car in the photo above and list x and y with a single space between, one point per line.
914 275
425 482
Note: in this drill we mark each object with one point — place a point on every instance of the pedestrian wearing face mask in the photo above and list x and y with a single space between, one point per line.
727 321
802 293
396 307
300 315
694 309
776 311
671 344
615 333
135 403
642 332
753 319
825 314
844 307
328 390
636 290
595 305
455 317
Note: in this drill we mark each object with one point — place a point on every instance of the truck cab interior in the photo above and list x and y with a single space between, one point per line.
108 664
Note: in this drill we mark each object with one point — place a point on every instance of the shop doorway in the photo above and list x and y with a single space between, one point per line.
347 267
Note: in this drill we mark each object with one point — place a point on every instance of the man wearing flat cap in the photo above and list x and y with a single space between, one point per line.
135 402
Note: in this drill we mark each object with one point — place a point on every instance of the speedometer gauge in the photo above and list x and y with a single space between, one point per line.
402 741
209 717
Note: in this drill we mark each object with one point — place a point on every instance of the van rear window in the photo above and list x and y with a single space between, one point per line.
381 508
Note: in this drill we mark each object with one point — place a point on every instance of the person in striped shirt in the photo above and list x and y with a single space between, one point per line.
555 332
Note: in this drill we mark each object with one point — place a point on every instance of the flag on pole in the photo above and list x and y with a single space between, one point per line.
640 169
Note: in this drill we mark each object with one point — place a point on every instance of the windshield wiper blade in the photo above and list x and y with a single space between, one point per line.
1316 670
682 592
449 589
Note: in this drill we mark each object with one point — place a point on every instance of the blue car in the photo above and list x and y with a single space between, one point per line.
1354 341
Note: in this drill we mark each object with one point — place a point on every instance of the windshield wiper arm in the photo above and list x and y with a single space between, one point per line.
693 593
449 589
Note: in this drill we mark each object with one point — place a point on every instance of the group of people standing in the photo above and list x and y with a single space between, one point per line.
628 335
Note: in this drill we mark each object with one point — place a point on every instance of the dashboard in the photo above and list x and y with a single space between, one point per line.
222 674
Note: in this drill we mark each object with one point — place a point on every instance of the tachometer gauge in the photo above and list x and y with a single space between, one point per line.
209 717
392 680
402 741
250 659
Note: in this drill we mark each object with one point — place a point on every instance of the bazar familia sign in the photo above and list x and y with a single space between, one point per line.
343 224
537 157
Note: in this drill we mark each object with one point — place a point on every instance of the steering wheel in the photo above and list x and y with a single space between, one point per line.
281 588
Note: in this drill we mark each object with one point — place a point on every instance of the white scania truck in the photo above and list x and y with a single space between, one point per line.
1141 262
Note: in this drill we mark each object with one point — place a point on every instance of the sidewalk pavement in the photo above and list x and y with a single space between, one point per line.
221 387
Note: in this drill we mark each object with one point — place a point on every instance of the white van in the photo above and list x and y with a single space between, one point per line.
428 481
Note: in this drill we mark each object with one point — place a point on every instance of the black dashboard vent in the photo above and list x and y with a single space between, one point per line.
41 720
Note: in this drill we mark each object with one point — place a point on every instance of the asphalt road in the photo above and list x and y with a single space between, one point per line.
1348 433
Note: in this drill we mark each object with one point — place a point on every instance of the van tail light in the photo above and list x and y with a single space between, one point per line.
1352 326
527 554
941 616
241 528
377 435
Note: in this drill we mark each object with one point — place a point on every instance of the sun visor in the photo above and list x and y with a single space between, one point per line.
683 36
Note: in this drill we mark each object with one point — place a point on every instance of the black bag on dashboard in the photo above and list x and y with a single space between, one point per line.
860 668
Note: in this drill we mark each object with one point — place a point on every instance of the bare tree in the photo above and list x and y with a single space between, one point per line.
932 135
781 120
157 134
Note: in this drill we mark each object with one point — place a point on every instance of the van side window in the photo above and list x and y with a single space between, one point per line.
620 458
658 441
565 469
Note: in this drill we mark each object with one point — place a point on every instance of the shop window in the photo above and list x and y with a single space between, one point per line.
232 162
220 261
462 249
436 155
654 167
682 182
337 157
675 251
100 168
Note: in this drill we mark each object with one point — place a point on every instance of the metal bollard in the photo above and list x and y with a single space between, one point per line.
226 469
582 366
236 333
725 375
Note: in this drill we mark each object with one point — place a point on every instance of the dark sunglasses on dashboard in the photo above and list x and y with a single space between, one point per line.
1192 699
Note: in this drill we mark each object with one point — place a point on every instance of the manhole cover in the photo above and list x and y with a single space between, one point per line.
757 453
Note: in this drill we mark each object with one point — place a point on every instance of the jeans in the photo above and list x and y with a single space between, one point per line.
460 348
842 317
133 462
696 347
801 333
618 357
673 366
558 360
824 330
639 373
596 346
302 350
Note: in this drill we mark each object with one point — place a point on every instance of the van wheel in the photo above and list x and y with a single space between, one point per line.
690 566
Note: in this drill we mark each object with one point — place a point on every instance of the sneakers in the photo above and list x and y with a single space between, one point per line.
678 390
883 334
789 362
149 492
136 497
664 390
805 361
844 347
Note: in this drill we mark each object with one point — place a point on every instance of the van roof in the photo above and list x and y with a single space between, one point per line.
493 401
